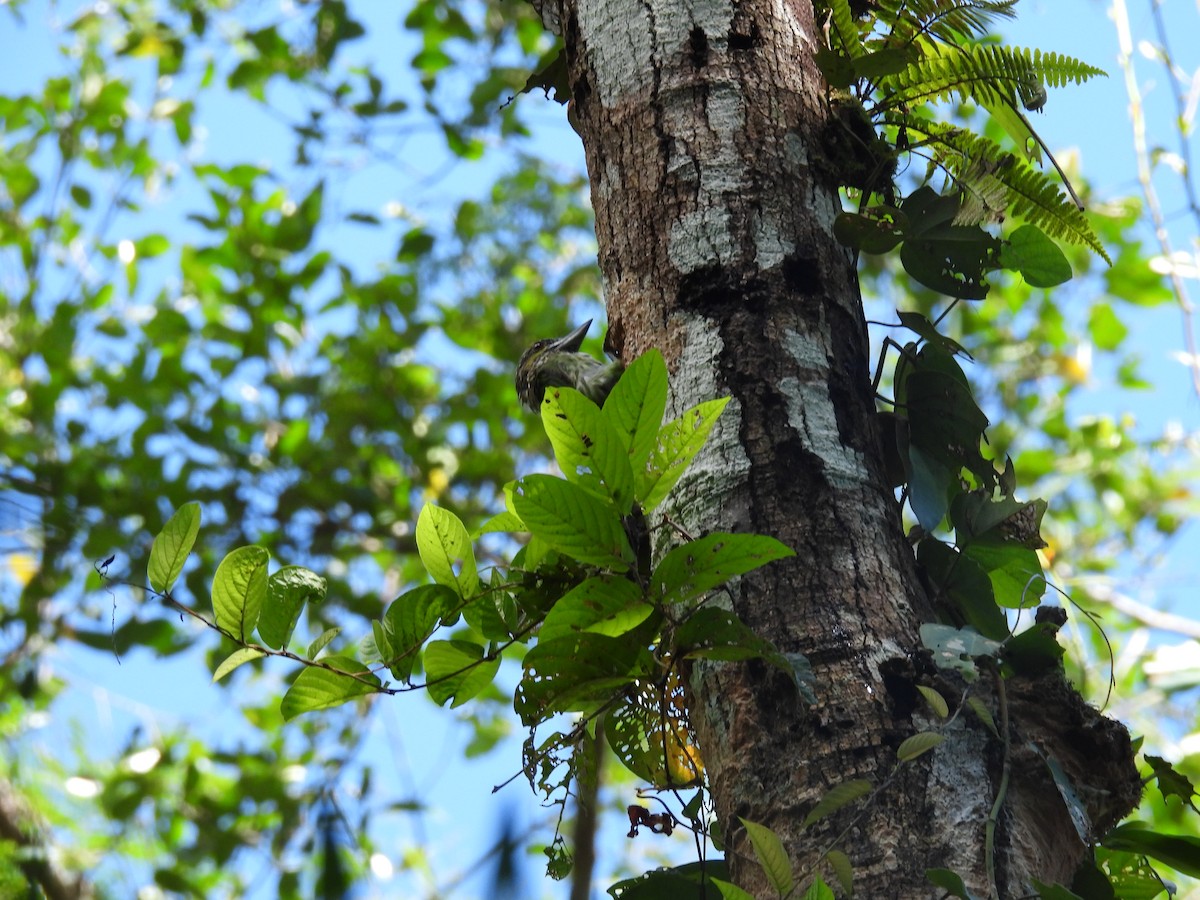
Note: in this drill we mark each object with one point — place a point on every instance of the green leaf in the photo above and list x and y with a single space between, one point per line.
322 641
984 714
570 674
1054 891
950 259
678 883
635 407
410 619
573 521
730 891
1107 331
836 797
1039 260
843 869
458 670
715 633
588 448
172 545
288 590
950 881
693 569
1014 570
957 649
235 659
239 589
678 443
606 604
878 229
443 543
771 856
818 890
929 484
319 688
935 700
1034 650
918 744
506 521
963 582
1179 851
1171 782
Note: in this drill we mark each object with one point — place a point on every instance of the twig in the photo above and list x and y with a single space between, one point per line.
1137 117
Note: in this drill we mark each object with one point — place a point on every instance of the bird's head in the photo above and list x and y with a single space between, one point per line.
538 354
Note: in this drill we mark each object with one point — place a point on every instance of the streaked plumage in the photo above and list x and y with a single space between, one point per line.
557 362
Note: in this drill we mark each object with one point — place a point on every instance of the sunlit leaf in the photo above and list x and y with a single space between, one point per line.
172 545
239 590
320 688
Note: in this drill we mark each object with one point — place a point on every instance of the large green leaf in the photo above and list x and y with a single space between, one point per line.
172 545
678 443
1015 572
288 590
239 589
444 544
589 450
457 670
636 405
771 855
678 883
694 568
409 621
573 521
606 604
574 673
320 688
965 585
1179 851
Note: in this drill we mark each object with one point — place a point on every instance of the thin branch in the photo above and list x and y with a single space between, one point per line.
1137 117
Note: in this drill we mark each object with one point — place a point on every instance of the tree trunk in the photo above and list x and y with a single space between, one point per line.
702 124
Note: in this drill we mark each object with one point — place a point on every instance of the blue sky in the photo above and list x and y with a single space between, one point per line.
420 745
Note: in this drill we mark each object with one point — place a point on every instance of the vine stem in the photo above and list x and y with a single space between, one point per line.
1137 117
989 845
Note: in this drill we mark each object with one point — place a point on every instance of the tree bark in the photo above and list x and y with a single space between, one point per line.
702 124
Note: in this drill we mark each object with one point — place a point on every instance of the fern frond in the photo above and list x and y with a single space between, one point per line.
947 20
987 74
845 29
980 168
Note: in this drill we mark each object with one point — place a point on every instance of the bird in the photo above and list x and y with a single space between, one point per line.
557 362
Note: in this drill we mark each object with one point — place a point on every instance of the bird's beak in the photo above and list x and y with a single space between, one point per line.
573 341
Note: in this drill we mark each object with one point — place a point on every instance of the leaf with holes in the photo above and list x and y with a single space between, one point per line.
649 732
589 450
573 674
